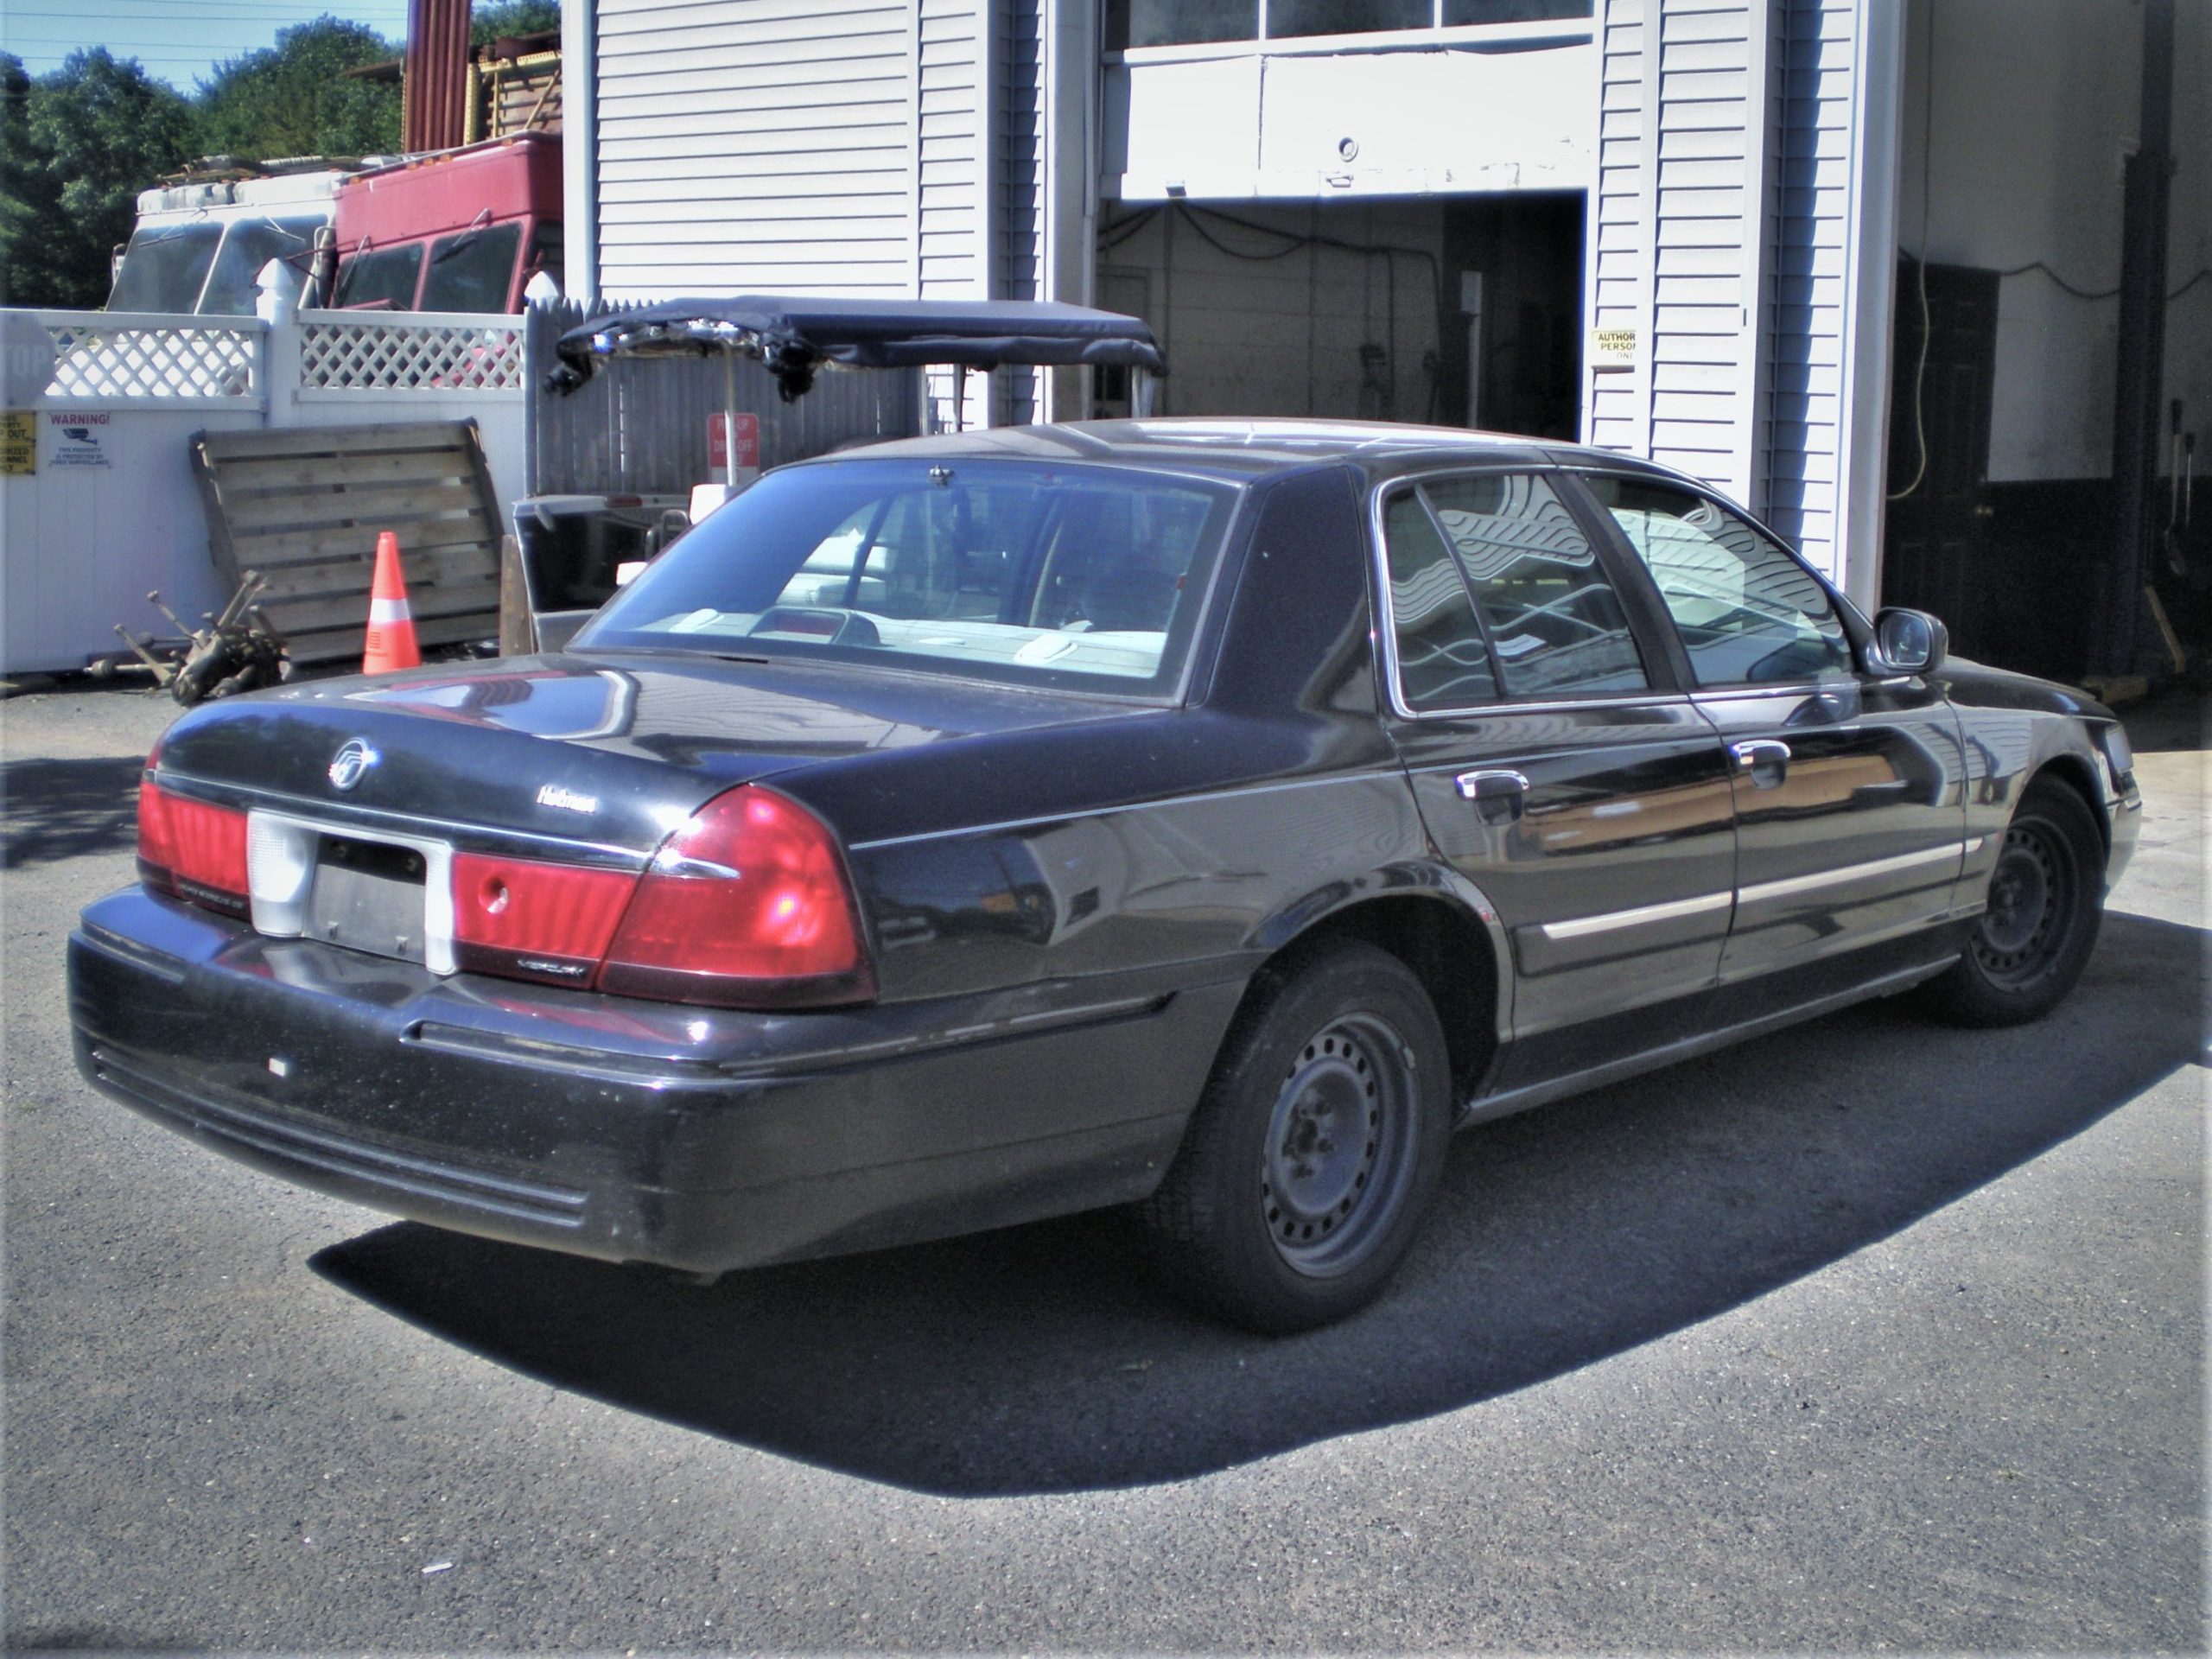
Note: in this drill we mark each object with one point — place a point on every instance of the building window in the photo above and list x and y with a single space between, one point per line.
1195 23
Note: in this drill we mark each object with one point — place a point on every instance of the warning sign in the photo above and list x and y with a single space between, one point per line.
79 438
18 442
748 448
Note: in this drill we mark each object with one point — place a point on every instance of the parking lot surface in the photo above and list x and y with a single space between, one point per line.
1869 1334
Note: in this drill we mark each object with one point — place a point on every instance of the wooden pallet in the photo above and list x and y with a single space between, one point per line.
304 506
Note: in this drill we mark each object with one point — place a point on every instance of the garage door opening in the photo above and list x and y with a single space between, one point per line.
1454 311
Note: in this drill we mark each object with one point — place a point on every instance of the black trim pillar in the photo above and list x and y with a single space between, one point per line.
2141 353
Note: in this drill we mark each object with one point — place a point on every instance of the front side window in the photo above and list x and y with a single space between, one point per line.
1075 577
1548 612
1748 612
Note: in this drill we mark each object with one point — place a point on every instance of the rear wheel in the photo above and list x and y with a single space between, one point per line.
1316 1147
2046 899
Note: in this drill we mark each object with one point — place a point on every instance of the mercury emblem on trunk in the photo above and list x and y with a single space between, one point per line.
351 761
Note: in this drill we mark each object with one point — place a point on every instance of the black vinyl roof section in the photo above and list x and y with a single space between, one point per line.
792 338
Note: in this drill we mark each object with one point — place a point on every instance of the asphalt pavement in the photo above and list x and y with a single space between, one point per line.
1871 1334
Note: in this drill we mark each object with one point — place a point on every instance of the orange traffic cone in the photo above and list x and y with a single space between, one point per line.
392 626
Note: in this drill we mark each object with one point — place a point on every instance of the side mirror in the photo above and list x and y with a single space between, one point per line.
1907 642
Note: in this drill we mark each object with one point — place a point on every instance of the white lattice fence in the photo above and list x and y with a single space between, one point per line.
162 358
413 354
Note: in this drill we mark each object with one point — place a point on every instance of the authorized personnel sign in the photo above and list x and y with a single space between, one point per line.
18 442
1613 348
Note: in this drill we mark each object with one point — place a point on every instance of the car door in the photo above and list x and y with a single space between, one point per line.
1556 763
1850 814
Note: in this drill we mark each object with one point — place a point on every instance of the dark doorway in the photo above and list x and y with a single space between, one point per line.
1514 273
1941 377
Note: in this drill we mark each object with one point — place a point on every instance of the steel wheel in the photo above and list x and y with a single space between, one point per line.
1339 1147
2046 897
2031 893
1316 1146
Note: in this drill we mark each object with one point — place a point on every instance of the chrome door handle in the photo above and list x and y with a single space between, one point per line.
1763 760
1498 796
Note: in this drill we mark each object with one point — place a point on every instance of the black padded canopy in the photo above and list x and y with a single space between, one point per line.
794 337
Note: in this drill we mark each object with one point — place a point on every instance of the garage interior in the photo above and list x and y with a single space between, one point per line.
2051 371
1446 311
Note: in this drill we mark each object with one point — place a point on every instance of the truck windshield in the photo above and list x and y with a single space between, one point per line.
473 271
1075 577
382 275
249 245
164 267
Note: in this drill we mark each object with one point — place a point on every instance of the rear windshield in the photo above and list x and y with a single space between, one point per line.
1024 572
164 267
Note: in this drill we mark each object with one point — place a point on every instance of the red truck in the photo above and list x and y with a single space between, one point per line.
457 230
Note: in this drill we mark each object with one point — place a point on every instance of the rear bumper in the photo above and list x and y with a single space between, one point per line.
629 1130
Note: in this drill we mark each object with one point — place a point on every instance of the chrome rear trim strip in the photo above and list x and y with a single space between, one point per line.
1583 926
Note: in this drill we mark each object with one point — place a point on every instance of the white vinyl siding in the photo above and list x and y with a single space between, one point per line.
1815 45
1706 214
1620 228
952 204
757 146
1718 235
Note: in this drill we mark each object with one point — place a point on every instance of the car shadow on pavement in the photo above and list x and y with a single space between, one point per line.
1042 1359
53 810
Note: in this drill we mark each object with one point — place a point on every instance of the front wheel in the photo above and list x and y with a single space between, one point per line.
1316 1147
2046 899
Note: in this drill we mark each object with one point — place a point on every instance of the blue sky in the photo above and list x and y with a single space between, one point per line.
178 40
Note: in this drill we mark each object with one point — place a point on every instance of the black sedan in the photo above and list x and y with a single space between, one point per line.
1205 817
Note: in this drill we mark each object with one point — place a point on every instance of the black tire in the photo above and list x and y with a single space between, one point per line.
1271 1216
2046 900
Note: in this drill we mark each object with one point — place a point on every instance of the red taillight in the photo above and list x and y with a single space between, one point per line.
746 905
191 849
527 919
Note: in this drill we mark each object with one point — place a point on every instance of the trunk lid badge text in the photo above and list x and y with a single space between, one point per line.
567 799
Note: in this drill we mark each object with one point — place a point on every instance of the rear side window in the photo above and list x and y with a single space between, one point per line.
1536 606
1443 660
1747 611
386 276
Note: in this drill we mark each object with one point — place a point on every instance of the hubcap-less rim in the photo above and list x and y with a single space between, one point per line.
1338 1148
2030 899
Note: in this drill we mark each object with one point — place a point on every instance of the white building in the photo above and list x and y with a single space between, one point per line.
1690 229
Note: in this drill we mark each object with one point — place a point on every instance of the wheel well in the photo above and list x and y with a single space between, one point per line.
1449 953
2073 773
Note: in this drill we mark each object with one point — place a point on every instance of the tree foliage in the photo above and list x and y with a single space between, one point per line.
294 98
487 23
81 143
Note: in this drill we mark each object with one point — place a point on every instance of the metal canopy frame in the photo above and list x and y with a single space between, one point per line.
794 338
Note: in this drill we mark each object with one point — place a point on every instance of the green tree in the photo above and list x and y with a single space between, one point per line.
487 23
294 98
81 143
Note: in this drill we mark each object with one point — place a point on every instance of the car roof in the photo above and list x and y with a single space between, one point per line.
1241 450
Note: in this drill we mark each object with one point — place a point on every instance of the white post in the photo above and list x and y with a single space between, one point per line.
278 307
